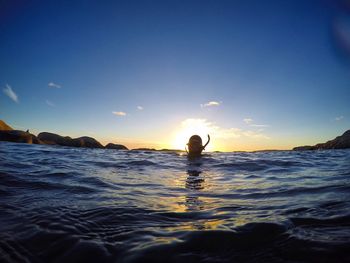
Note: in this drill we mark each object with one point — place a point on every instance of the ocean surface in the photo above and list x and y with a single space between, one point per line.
60 204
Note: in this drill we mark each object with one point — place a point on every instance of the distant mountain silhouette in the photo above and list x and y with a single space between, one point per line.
144 149
340 142
116 146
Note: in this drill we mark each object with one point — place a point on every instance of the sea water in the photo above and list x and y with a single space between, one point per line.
60 204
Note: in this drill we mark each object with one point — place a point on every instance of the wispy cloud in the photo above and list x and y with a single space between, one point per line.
139 107
119 113
194 125
211 104
339 118
248 120
251 123
260 125
54 85
50 103
10 93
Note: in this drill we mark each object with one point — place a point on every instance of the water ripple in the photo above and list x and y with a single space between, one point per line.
61 204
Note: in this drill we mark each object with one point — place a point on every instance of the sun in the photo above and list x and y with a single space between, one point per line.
190 127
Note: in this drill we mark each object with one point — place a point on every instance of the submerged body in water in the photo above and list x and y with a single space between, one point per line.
63 204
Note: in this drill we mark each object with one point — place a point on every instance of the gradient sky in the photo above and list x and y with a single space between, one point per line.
255 74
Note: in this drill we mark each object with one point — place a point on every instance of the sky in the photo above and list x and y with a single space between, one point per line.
253 74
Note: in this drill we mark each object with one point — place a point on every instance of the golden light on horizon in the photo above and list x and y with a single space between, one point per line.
191 127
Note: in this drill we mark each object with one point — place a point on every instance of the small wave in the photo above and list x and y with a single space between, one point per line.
126 164
296 210
140 163
277 166
297 191
215 245
333 204
12 251
329 221
16 183
245 166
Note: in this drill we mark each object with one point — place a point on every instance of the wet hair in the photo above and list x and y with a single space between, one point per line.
195 139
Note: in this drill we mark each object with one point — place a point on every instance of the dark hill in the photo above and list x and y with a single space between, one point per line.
4 126
116 146
340 142
10 135
55 139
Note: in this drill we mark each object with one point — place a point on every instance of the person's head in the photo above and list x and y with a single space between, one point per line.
195 146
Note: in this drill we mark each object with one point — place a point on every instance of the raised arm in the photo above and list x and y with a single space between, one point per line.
207 142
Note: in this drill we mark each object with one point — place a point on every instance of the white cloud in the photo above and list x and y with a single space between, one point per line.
119 113
251 123
260 125
54 85
50 103
248 120
211 104
202 126
224 133
139 107
339 118
10 93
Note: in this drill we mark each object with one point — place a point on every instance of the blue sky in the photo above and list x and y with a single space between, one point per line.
276 72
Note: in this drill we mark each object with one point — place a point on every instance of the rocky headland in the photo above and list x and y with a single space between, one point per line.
55 139
4 126
340 142
11 135
47 138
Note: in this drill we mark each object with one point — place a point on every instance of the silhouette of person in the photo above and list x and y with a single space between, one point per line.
195 146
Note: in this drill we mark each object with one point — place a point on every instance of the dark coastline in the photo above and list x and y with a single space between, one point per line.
340 142
47 138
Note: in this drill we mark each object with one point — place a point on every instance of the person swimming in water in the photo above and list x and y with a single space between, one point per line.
195 146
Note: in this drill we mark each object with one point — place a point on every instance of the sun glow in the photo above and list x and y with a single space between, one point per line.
190 127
